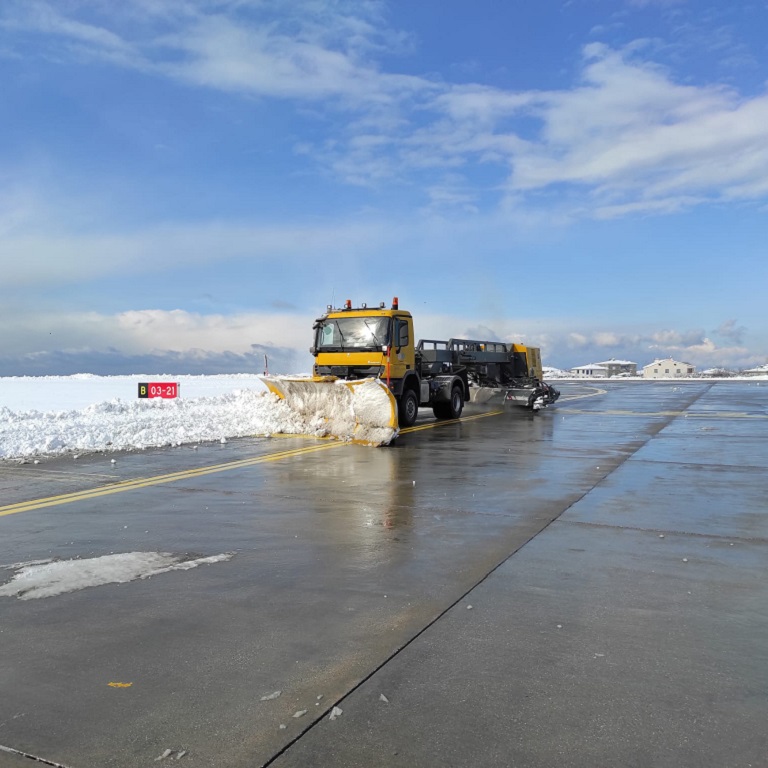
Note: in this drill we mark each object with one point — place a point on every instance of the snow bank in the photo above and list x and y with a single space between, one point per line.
78 414
117 425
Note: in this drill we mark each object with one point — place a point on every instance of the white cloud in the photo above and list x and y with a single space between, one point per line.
141 340
607 339
567 349
672 339
178 330
729 330
707 352
577 340
665 205
306 50
152 330
59 257
661 3
630 130
75 38
219 53
628 137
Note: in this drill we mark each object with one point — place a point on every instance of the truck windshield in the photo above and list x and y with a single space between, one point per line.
345 333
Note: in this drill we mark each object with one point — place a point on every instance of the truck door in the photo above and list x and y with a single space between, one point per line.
403 355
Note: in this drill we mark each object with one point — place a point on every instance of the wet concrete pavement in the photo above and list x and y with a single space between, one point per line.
614 551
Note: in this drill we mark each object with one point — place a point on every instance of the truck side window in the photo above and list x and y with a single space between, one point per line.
402 333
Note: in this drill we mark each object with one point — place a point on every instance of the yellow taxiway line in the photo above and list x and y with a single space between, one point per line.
172 477
145 482
434 424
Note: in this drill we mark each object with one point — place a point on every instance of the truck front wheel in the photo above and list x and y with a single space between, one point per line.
408 408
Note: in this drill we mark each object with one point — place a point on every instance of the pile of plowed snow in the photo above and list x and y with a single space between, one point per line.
53 427
118 426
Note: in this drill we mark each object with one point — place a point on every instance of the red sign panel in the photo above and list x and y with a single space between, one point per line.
167 389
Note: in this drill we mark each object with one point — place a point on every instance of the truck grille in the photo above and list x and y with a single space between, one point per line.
349 371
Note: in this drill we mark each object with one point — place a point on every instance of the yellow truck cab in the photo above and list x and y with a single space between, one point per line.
362 342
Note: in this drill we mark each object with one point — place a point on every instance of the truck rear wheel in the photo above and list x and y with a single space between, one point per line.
407 408
453 408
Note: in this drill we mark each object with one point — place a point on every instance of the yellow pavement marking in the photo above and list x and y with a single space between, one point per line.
144 482
434 424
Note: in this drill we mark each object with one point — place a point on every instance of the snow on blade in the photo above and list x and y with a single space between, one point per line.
362 410
375 413
55 577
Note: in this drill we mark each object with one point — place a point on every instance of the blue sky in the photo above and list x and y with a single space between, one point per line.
185 184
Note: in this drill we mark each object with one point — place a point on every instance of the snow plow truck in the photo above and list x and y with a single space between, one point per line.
368 363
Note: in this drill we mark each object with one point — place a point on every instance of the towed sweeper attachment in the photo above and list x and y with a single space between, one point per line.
363 411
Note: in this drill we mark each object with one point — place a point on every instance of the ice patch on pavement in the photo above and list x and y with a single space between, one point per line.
271 696
47 578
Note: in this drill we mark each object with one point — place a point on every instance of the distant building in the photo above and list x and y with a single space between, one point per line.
606 369
615 367
667 369
761 370
592 371
554 373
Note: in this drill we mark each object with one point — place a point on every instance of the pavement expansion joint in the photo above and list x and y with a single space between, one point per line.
20 753
668 532
74 474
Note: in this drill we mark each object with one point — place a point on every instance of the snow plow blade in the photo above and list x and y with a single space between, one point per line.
361 411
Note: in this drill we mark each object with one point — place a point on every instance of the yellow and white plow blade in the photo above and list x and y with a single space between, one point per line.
363 411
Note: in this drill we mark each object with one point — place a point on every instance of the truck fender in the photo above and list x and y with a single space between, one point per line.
409 381
465 381
445 385
449 397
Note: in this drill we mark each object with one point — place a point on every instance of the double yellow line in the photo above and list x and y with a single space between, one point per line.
432 425
145 482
